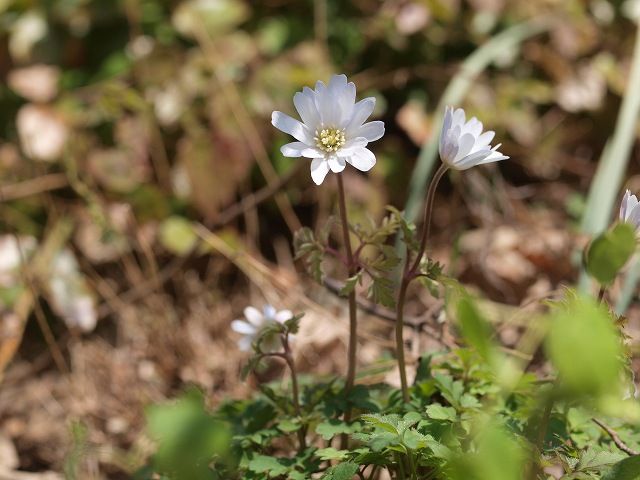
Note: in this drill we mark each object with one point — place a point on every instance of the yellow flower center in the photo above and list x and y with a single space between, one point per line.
330 139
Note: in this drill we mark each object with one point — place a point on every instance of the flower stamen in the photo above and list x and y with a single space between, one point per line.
330 139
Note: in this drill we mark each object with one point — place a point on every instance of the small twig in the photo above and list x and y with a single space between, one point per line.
254 199
33 186
616 439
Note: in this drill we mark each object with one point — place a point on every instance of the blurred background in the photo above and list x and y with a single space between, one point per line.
144 201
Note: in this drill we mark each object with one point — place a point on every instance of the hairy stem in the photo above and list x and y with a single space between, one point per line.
410 273
351 267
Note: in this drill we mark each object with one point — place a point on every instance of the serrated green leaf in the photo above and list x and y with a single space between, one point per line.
265 464
438 412
381 291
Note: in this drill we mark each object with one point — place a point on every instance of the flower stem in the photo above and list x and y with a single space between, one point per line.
428 210
351 267
410 273
296 391
402 294
353 314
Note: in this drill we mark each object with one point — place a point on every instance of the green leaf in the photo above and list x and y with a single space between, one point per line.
331 454
188 438
288 426
342 471
609 252
385 422
584 346
627 469
265 464
382 291
498 456
350 284
438 412
330 428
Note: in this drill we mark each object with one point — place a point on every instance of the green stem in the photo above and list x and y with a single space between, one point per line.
412 466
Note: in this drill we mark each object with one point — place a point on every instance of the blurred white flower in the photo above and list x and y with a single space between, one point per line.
42 132
12 251
332 132
629 210
254 322
70 294
38 83
28 30
169 104
462 143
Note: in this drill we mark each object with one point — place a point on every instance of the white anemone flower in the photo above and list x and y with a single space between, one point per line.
254 322
462 143
629 210
332 132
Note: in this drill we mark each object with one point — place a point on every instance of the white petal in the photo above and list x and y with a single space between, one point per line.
363 159
347 100
293 149
305 104
293 127
319 170
361 112
351 145
473 126
446 125
623 205
634 217
312 152
269 312
465 146
254 316
243 327
329 101
471 160
371 131
283 315
336 164
458 119
485 138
